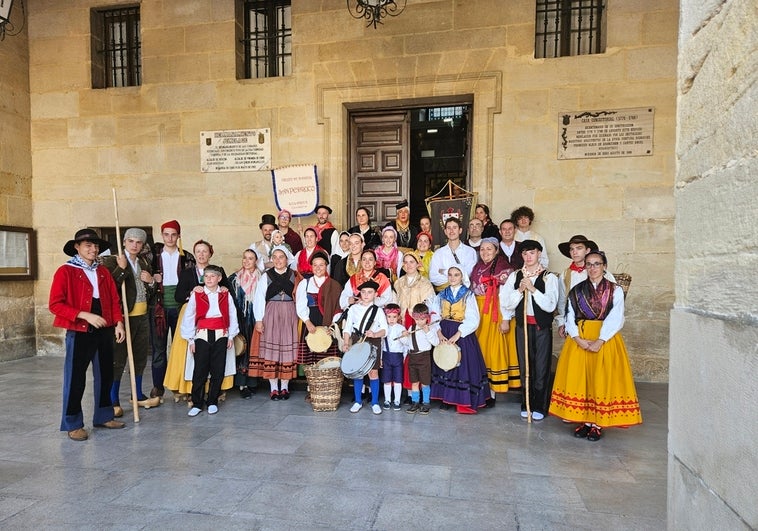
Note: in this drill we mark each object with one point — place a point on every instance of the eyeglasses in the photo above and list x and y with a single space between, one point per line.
594 264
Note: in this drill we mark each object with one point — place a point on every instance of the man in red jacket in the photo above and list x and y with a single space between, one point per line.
85 302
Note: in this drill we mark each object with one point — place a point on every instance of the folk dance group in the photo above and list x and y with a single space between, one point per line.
489 302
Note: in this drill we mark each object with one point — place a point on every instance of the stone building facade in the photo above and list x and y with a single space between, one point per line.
144 140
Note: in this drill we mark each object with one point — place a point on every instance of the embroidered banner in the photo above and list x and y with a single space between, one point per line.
296 188
451 201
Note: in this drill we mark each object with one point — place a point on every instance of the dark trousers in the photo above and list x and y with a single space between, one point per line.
139 332
83 348
540 353
158 340
210 356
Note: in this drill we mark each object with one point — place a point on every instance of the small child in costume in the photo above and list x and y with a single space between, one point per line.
420 339
209 325
393 354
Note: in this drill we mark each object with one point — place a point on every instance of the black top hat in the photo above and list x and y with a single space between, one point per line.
369 284
85 235
267 219
324 207
565 247
530 245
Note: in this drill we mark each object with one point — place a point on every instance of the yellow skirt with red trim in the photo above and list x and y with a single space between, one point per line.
498 350
174 380
595 387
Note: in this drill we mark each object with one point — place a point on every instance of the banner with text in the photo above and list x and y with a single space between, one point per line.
296 189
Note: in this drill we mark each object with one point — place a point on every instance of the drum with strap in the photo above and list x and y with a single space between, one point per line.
359 360
319 341
447 356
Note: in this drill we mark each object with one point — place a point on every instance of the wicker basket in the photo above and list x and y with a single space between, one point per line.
325 387
624 280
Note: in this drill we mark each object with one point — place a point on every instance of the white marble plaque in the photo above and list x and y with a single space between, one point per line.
606 133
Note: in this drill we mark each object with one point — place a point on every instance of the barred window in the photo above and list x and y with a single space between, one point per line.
116 47
569 27
266 39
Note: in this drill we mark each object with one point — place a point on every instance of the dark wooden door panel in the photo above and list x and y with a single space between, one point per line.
379 162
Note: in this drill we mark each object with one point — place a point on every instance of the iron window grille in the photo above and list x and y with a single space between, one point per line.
116 47
569 27
267 38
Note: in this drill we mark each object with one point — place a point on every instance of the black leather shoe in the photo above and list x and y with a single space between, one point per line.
274 395
490 403
284 394
444 406
582 431
245 393
595 434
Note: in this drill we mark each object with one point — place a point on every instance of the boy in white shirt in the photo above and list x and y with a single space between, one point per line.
209 325
393 354
420 339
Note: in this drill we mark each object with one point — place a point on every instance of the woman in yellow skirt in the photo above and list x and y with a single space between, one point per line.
189 279
593 381
498 347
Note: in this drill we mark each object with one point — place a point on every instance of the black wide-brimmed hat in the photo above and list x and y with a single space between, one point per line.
565 247
85 235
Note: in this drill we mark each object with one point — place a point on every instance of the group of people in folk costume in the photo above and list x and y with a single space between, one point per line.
490 297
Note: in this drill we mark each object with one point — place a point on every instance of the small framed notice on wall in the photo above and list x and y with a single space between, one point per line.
18 253
606 133
235 150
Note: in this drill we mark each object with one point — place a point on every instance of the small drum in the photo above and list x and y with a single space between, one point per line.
320 340
447 356
240 345
332 362
359 360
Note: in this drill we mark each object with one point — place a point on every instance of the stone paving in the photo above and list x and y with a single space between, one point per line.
259 464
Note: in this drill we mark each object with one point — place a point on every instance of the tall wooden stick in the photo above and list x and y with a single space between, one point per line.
526 359
129 354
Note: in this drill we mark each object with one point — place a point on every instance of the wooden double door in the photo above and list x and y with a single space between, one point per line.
379 162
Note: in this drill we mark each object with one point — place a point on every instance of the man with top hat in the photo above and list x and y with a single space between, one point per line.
327 235
537 289
577 248
85 302
406 232
263 247
168 260
133 270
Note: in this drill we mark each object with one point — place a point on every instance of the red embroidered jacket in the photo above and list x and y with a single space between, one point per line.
71 293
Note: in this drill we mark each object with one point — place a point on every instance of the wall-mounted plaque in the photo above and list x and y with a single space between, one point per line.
235 150
606 133
18 253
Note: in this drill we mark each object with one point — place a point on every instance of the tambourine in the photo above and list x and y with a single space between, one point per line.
447 356
240 345
332 362
320 340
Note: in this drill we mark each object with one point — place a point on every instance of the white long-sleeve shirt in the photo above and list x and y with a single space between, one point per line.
188 328
443 258
612 324
510 296
424 340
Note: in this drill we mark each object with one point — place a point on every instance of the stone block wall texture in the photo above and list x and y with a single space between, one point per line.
713 397
17 308
144 140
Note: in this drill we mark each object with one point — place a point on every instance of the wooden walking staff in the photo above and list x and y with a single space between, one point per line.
129 354
526 359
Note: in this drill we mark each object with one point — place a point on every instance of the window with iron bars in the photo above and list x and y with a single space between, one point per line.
569 27
265 37
116 47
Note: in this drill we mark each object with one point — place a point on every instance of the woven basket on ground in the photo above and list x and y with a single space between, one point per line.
325 387
624 280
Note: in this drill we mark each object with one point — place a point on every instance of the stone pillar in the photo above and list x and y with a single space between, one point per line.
713 395
17 333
